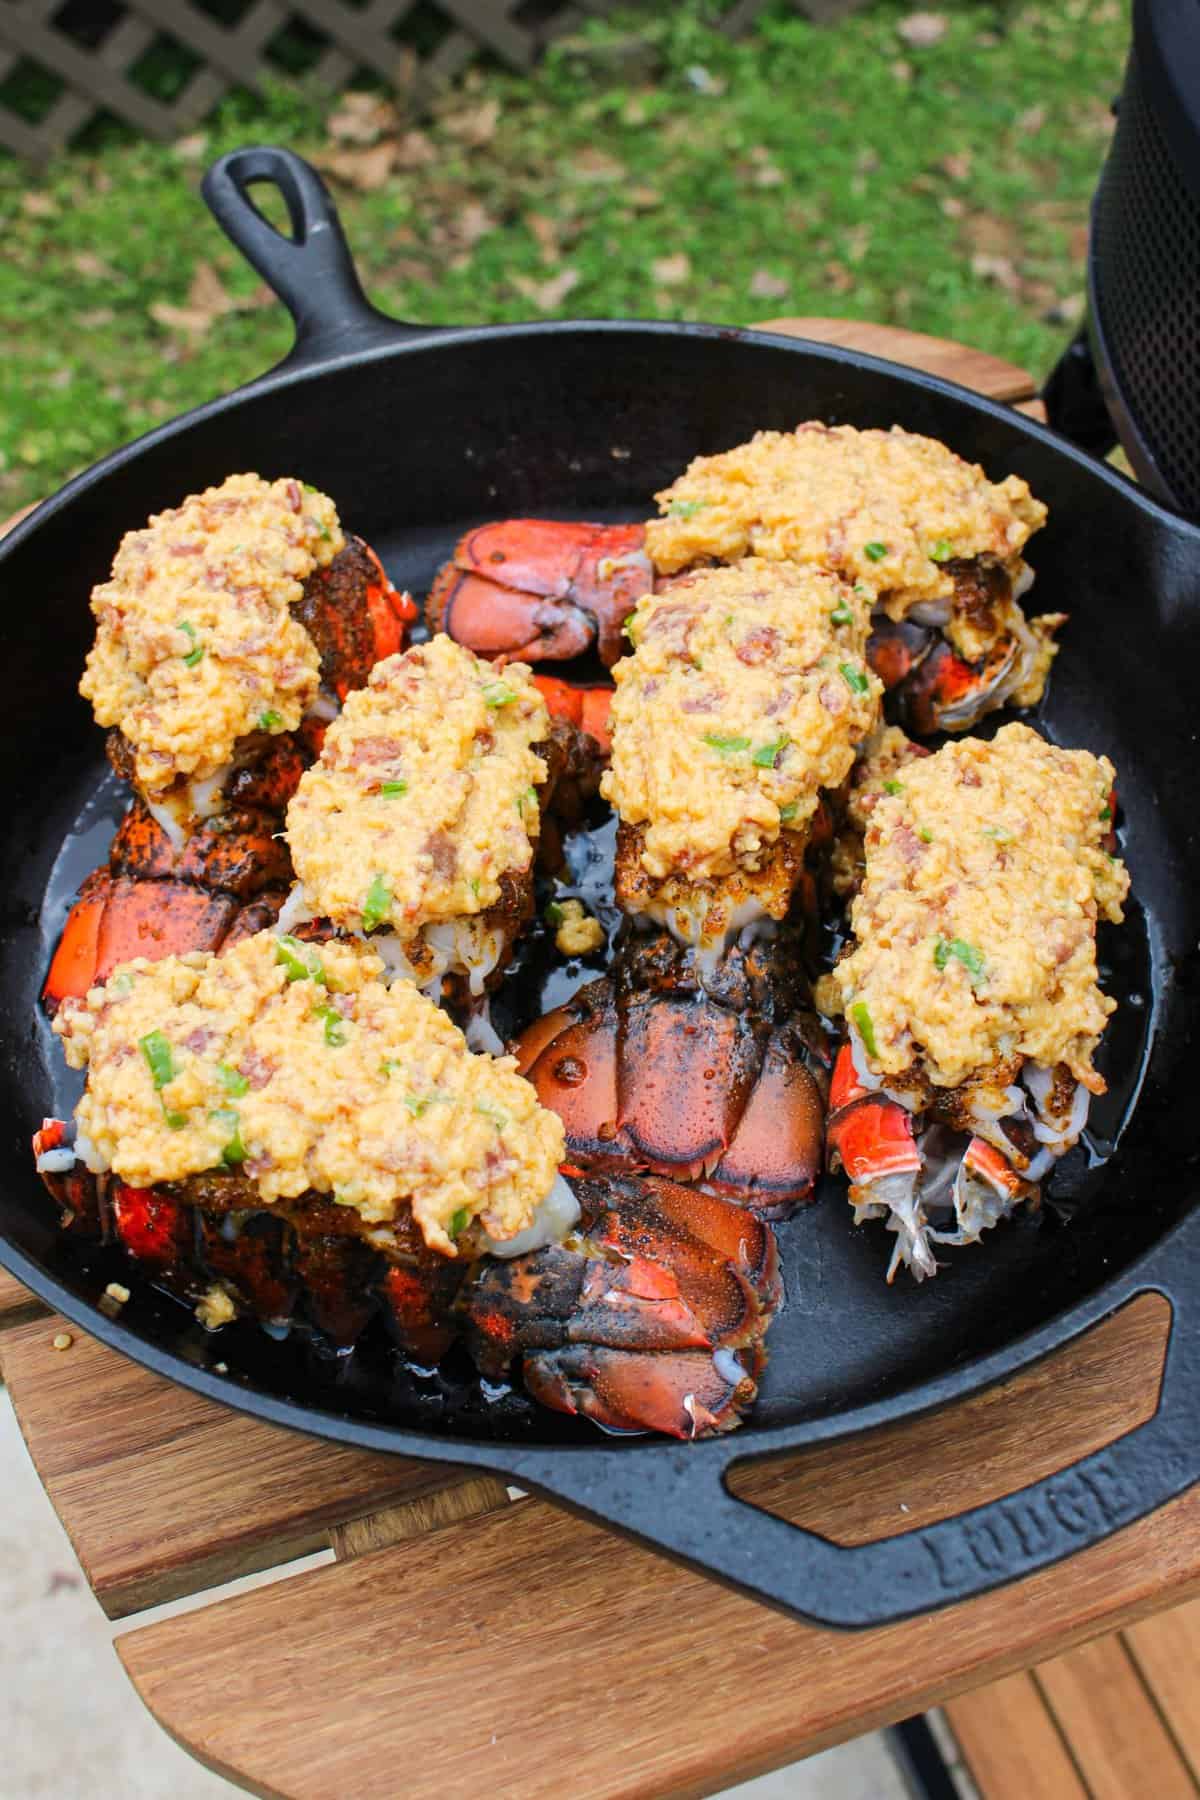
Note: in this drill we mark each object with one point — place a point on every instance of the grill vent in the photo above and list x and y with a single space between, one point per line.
1145 255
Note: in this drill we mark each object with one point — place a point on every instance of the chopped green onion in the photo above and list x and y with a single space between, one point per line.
725 746
335 1025
388 1067
1105 815
227 1118
925 835
854 678
175 1121
686 509
498 693
270 720
326 533
860 587
997 832
767 755
392 790
787 813
159 1058
958 948
866 1028
232 1080
893 787
420 1103
554 914
942 551
697 662
842 615
377 905
459 1222
528 798
196 652
496 1114
875 551
301 962
629 629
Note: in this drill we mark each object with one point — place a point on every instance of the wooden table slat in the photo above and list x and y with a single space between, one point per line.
17 1304
497 1655
1011 1743
1116 1735
1166 1650
218 1494
978 369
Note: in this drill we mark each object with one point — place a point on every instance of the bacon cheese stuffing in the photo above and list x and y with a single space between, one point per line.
745 695
425 794
975 926
296 1064
886 509
195 645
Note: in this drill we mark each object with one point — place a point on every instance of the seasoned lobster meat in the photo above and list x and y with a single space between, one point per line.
227 635
970 992
419 822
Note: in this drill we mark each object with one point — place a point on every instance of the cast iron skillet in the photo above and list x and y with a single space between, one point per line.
418 433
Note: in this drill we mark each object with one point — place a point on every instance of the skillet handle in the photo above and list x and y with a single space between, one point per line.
678 1500
312 271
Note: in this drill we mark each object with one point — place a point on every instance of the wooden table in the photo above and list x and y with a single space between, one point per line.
461 1641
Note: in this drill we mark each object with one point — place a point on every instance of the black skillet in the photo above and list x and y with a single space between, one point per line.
418 433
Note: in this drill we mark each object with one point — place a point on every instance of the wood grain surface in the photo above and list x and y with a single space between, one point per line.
1012 1744
16 1302
977 369
218 1494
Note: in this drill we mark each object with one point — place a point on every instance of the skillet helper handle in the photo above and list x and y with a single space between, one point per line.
312 271
681 1503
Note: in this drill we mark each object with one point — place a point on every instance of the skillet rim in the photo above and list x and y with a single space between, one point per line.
973 1374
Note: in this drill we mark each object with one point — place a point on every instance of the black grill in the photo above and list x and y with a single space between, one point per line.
1145 278
1134 371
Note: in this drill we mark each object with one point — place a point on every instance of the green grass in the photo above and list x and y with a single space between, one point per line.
801 170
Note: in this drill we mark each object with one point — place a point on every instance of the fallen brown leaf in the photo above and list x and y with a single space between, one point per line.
765 286
958 166
838 278
1001 271
596 165
366 170
415 151
546 295
903 71
471 223
1031 121
921 30
91 267
95 318
644 199
193 148
361 119
769 176
38 206
475 126
546 232
952 206
669 271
